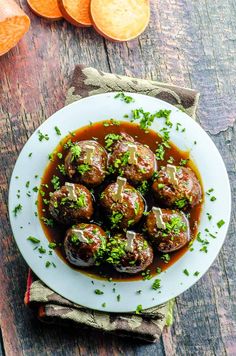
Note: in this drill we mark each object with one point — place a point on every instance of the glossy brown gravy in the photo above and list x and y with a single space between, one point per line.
99 131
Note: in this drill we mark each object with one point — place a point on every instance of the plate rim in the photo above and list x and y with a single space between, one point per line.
79 126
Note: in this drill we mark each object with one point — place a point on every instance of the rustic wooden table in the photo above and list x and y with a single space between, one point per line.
189 43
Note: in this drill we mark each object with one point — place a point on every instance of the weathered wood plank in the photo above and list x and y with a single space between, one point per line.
187 43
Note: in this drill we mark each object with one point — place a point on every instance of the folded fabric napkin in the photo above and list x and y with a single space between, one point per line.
51 307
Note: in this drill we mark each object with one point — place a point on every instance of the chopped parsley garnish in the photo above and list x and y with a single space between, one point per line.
83 168
160 152
81 201
98 292
156 284
181 203
136 208
209 216
55 182
220 223
166 258
59 155
186 272
104 305
52 245
143 187
48 222
42 136
75 152
171 160
27 184
62 169
127 99
146 275
139 309
146 118
158 270
116 218
183 162
58 132
41 250
33 239
213 198
68 144
47 264
17 209
118 297
30 154
196 273
115 250
111 122
110 139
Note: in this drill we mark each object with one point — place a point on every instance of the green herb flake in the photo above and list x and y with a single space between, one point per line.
213 198
196 273
33 239
156 284
220 223
58 132
110 139
166 258
48 222
186 272
52 245
98 292
17 209
209 216
104 305
139 309
83 168
127 99
55 182
118 297
42 136
41 250
47 264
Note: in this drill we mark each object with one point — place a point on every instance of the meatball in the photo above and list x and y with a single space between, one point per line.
126 211
132 160
129 258
185 193
86 163
70 204
174 236
85 245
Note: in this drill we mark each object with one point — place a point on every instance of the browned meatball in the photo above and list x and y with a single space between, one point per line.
187 193
174 236
123 213
129 261
85 245
141 170
71 207
77 169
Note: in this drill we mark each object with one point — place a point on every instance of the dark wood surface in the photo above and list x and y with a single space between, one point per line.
189 43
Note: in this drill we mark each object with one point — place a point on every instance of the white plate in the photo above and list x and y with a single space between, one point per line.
70 283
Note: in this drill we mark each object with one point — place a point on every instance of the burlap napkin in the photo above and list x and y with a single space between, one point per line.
50 306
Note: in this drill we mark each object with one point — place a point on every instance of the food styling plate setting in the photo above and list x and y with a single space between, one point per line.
149 180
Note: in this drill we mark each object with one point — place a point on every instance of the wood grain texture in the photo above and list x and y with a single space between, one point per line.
188 43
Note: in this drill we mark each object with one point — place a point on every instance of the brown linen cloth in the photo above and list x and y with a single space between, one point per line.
50 306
